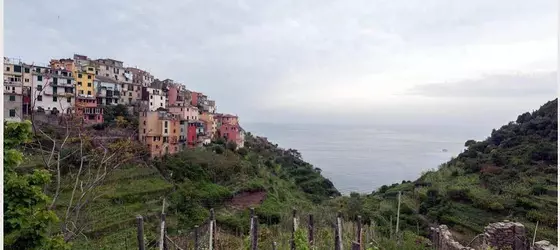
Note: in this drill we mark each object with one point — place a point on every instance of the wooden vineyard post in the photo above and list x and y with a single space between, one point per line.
251 215
359 233
294 228
196 242
211 230
255 233
162 227
398 214
535 234
311 230
140 232
338 232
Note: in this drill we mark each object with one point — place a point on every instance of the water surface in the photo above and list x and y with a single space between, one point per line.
362 158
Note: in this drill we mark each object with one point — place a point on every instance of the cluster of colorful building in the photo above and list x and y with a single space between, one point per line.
171 117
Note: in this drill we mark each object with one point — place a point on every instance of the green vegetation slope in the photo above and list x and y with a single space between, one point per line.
510 175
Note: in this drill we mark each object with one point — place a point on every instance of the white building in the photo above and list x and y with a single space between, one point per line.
52 92
157 99
107 90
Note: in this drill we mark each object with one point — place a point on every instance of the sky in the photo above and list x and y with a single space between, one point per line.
290 61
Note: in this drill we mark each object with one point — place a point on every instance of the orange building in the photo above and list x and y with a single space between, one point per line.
159 130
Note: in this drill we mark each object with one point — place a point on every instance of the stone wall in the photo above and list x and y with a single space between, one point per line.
505 235
442 239
500 235
544 245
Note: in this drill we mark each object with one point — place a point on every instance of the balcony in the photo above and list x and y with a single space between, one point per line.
62 84
109 94
10 91
12 83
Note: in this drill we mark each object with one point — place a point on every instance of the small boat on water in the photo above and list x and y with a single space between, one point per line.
444 150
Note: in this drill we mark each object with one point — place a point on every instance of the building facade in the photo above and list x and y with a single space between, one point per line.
13 90
159 131
108 91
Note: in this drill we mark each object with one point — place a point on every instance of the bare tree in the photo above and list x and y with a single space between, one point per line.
78 160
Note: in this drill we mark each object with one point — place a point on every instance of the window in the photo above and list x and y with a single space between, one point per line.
17 68
79 83
154 138
151 97
165 131
12 98
161 97
81 92
161 104
54 98
26 79
26 70
144 131
107 75
89 84
69 81
129 93
174 131
89 77
7 68
144 122
40 87
89 92
12 113
55 80
165 124
79 75
107 67
40 98
39 78
164 139
151 104
54 90
69 99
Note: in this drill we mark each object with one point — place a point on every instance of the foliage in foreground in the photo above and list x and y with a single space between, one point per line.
26 216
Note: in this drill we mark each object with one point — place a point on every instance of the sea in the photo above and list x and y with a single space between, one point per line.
363 158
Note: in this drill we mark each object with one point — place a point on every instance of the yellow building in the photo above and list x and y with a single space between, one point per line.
84 80
84 74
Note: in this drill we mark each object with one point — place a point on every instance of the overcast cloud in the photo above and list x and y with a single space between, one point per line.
309 61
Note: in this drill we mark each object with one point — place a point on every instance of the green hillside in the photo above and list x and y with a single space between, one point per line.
510 175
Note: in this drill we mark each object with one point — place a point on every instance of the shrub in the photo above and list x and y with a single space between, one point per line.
218 149
231 145
242 151
458 194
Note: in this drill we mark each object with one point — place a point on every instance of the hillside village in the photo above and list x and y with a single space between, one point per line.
171 118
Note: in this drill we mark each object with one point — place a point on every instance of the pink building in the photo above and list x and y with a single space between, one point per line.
172 94
88 109
188 113
230 132
226 119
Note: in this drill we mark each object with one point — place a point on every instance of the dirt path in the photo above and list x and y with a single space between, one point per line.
247 199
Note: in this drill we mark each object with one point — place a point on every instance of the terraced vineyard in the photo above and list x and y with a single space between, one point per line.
127 192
